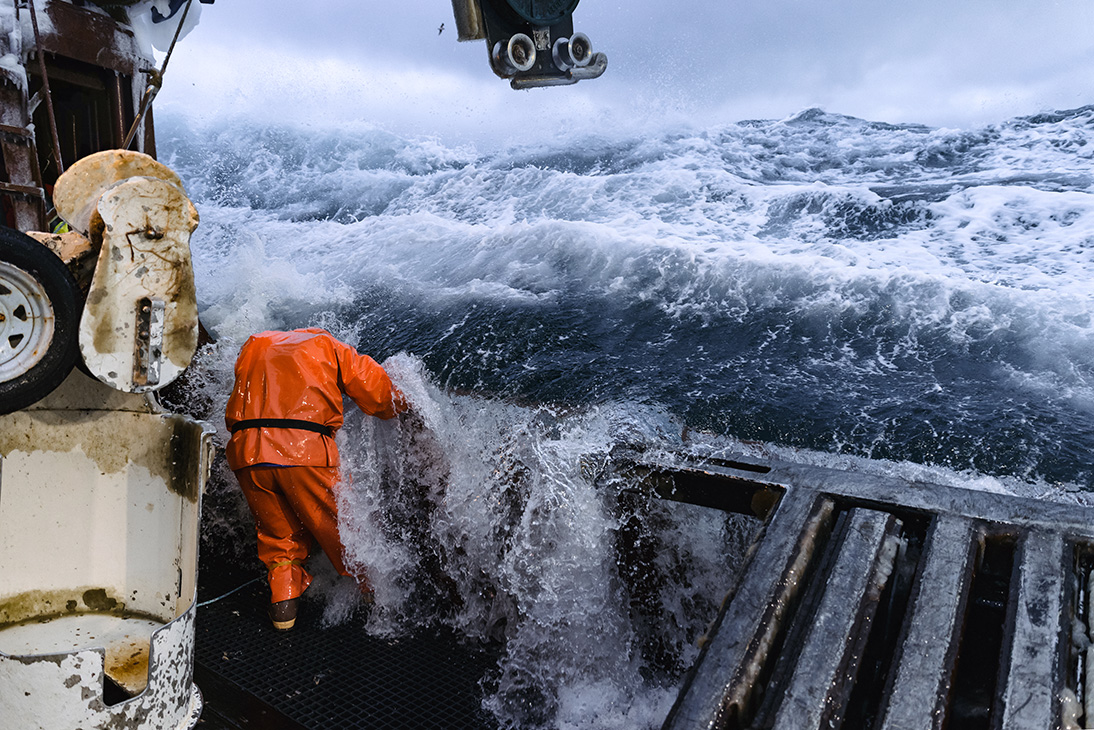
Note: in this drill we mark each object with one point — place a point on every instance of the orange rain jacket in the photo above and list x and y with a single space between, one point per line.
301 375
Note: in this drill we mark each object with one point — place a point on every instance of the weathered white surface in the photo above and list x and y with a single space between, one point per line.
94 505
145 256
77 192
99 518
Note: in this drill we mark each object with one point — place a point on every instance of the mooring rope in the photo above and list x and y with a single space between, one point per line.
239 588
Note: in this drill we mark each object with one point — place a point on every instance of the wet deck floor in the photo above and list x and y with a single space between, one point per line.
336 677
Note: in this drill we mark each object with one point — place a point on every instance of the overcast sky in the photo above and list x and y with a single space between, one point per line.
952 63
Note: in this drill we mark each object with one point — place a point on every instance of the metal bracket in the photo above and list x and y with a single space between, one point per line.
596 67
149 341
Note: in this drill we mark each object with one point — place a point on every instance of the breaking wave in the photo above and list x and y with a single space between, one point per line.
826 286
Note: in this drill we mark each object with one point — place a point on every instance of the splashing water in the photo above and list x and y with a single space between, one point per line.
485 515
890 298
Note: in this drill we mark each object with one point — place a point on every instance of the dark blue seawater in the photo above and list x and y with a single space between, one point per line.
821 282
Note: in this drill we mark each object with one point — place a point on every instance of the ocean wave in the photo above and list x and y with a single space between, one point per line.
731 274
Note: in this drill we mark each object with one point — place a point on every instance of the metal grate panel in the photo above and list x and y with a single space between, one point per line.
337 677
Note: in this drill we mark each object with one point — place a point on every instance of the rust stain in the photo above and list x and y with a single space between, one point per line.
43 606
97 600
158 263
127 664
169 447
187 445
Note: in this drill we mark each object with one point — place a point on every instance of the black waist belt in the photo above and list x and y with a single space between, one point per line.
283 423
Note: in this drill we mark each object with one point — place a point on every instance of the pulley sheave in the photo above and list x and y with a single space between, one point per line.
530 42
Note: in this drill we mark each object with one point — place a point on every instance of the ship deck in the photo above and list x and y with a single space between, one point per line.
865 601
316 677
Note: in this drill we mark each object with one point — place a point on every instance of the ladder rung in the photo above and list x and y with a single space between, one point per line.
740 643
1033 679
32 191
16 131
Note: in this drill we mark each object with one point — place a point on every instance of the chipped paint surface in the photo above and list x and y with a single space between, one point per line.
125 637
65 690
100 509
78 190
52 691
145 255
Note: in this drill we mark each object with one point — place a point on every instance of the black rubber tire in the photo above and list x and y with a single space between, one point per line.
41 371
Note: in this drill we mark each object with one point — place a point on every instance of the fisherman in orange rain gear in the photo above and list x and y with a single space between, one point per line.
284 409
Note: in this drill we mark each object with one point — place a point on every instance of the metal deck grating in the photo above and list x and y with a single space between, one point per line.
332 678
872 601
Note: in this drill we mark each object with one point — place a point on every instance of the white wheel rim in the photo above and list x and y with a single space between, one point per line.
26 322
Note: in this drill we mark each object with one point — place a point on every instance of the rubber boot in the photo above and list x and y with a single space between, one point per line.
283 614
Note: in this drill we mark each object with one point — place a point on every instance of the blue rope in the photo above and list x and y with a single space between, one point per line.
239 588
